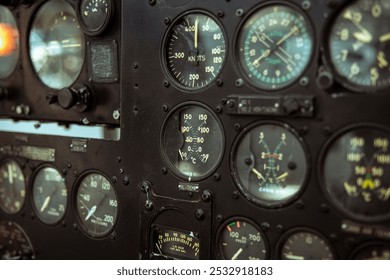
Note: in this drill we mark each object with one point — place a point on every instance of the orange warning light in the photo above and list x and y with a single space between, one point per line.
7 39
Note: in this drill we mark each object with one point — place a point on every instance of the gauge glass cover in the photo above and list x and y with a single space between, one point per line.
373 252
9 42
97 205
195 51
14 243
56 44
355 172
12 187
94 15
359 45
192 142
274 45
49 195
269 164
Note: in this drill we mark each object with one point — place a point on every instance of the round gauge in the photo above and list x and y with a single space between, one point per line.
12 187
94 15
9 42
97 205
192 141
269 164
240 239
49 195
359 45
373 252
305 244
195 50
355 173
14 243
174 244
274 45
56 44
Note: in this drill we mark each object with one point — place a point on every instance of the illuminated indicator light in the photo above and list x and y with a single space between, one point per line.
7 40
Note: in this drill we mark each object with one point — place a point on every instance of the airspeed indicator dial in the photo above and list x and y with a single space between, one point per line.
195 50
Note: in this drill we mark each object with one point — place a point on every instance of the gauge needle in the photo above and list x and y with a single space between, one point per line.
45 204
384 38
365 36
293 257
196 33
293 30
283 176
10 174
91 212
264 55
259 175
181 155
235 256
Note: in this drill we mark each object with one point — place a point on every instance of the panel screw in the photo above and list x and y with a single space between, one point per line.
300 204
149 205
219 82
216 176
206 196
239 83
166 83
114 179
235 195
237 126
199 214
145 186
218 109
306 5
167 20
116 114
279 228
219 218
265 226
304 81
239 12
152 2
220 14
164 170
165 107
126 180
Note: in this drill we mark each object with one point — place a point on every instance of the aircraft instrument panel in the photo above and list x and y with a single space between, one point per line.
233 129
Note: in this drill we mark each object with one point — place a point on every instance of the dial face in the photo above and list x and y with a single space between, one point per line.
195 51
175 244
9 42
12 187
56 44
192 142
356 173
94 15
14 243
269 164
275 45
97 205
49 195
373 252
240 239
359 45
305 245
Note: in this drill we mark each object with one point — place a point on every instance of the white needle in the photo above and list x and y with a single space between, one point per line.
91 212
293 257
384 38
237 254
284 175
45 203
10 174
196 33
259 175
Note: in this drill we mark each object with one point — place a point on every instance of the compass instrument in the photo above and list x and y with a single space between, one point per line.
274 45
94 15
241 239
269 164
97 205
192 141
9 42
355 173
12 187
195 50
359 45
56 44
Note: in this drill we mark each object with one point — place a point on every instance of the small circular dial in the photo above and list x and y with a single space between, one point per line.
275 46
97 205
240 239
49 195
56 44
195 50
356 173
9 42
14 243
373 252
359 45
305 245
94 15
192 141
12 187
269 164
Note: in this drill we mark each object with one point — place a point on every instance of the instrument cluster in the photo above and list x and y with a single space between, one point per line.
248 129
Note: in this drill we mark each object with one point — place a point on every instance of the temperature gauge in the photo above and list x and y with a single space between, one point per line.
95 15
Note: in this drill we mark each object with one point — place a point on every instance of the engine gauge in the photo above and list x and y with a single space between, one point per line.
14 243
269 164
274 46
380 251
94 15
49 195
192 141
9 42
195 50
355 173
241 239
56 44
174 244
12 187
97 205
359 45
305 244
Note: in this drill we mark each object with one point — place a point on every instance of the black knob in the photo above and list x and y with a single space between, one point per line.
67 98
290 106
